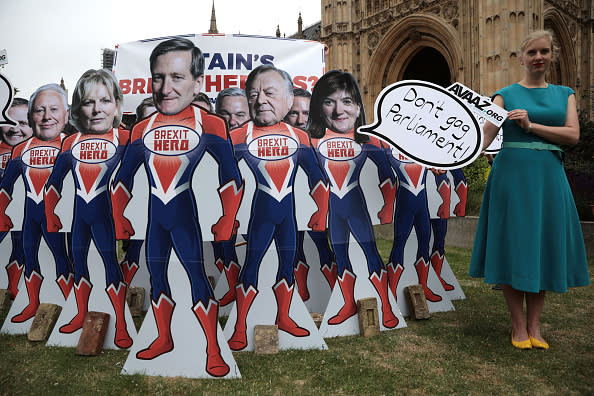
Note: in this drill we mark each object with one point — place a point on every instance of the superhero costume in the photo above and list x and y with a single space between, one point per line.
342 158
273 154
412 210
34 160
16 261
171 146
92 158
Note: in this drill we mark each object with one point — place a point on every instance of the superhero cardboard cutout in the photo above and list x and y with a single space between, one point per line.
273 155
92 159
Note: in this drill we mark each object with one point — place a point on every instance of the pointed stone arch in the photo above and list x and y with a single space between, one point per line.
565 70
402 42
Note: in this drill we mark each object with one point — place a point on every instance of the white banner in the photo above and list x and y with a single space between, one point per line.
229 58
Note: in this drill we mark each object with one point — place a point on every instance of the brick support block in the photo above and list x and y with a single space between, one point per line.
417 303
265 339
5 296
135 298
369 324
92 337
44 322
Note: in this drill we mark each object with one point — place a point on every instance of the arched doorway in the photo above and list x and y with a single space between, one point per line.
428 65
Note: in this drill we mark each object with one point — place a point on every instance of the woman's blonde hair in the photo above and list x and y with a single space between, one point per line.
89 79
538 34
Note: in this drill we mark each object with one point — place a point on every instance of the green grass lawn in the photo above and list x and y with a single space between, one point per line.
466 351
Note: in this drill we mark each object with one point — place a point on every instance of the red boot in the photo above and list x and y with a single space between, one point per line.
462 192
443 212
347 287
65 283
215 364
33 284
14 271
330 273
128 271
437 264
301 278
163 311
118 300
82 291
422 272
394 274
284 294
232 274
381 286
238 340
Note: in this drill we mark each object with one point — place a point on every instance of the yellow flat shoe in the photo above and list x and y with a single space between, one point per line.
525 344
538 344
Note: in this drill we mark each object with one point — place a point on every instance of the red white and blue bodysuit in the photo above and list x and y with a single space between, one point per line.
411 210
34 160
342 158
16 262
171 146
92 158
273 154
439 225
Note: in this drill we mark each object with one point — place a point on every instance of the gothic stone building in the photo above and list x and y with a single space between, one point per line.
475 42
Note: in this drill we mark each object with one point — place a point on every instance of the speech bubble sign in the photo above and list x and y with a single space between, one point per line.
496 144
5 101
482 106
427 124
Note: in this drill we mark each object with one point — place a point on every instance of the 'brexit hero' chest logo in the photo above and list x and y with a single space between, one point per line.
273 147
340 149
40 157
171 140
94 151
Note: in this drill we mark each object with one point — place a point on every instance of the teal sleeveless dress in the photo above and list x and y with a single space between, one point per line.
528 234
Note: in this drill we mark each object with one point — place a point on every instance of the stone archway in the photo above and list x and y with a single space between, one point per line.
410 37
565 70
428 65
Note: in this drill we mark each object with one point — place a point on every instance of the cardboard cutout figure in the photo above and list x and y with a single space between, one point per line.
171 144
33 159
439 227
273 154
10 136
336 112
273 151
92 158
412 211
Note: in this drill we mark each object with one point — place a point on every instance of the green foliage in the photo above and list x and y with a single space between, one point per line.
476 176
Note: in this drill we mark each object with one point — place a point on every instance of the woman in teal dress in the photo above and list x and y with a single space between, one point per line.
529 237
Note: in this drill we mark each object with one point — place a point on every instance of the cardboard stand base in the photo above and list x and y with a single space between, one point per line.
49 292
98 301
409 277
264 309
363 289
188 357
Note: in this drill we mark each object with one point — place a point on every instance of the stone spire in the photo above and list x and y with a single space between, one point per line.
277 30
300 27
63 86
213 21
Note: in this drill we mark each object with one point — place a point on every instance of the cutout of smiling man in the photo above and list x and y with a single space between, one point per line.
171 143
273 150
34 159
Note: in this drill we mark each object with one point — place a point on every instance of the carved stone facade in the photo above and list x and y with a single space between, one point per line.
475 42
